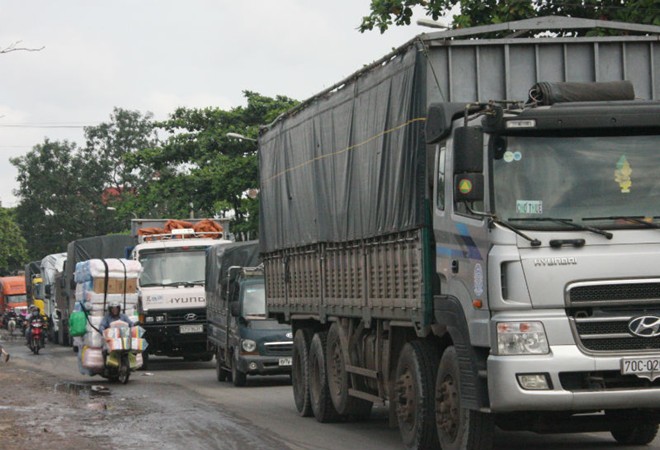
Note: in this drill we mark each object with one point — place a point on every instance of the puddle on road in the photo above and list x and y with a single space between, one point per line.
86 390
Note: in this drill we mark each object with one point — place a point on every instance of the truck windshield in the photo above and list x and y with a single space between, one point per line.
172 268
603 181
17 298
254 300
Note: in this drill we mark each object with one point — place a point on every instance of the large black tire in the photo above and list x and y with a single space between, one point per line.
458 428
413 395
641 432
220 372
339 379
300 372
319 393
237 377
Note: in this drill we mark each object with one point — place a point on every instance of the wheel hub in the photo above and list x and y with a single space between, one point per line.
447 407
406 404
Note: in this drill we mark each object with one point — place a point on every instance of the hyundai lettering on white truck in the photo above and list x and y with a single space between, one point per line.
172 303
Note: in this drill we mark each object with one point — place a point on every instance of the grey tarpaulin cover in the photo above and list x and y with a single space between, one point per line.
349 164
220 257
50 265
546 93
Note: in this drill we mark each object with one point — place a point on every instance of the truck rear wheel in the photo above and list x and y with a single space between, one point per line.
413 395
641 431
319 392
300 372
339 379
458 428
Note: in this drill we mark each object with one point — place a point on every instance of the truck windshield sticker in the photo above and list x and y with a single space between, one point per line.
529 206
508 156
622 174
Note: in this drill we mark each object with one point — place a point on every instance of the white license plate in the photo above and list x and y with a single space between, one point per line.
184 329
285 361
642 367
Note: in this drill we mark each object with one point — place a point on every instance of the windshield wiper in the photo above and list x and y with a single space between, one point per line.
533 241
494 219
634 219
568 222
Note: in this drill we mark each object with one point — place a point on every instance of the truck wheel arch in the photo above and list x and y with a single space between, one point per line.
449 314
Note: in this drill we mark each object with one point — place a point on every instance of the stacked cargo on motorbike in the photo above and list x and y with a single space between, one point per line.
99 283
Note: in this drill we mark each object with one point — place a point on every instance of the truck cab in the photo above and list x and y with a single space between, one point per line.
172 301
255 344
13 294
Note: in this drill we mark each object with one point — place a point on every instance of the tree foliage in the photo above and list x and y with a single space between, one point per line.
204 171
66 192
385 13
123 171
13 252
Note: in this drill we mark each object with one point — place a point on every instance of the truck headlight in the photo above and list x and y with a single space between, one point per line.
148 319
249 345
521 338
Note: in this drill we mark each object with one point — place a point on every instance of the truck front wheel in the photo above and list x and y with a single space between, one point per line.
238 377
220 372
300 372
319 392
631 428
458 428
413 395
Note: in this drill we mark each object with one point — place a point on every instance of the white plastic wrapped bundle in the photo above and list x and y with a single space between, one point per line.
94 339
116 268
92 357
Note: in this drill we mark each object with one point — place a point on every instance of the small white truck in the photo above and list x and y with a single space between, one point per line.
172 303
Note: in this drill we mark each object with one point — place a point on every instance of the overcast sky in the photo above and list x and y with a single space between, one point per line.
157 55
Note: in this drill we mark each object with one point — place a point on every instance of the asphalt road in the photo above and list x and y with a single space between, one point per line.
182 405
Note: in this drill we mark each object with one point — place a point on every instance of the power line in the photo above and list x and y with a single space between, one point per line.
21 125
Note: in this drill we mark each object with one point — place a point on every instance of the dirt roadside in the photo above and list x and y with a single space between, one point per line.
34 415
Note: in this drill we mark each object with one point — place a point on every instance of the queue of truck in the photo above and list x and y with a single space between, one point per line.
464 230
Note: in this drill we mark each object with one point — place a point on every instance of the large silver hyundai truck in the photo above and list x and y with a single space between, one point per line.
468 230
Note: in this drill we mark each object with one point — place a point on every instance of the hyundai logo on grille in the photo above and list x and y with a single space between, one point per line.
645 326
190 317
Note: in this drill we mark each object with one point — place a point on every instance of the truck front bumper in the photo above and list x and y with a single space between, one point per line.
167 340
578 383
263 365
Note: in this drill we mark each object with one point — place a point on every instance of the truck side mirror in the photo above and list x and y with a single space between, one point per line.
468 149
235 309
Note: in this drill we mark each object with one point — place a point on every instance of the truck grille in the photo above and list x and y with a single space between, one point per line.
615 292
284 348
599 314
179 317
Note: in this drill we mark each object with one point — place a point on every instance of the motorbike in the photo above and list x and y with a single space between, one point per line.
11 325
37 338
118 366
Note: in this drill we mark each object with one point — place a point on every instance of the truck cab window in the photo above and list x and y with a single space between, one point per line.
440 186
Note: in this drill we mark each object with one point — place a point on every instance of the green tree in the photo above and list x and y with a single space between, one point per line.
66 192
13 252
201 169
385 13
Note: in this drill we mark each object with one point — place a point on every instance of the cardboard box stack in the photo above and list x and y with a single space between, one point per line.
100 282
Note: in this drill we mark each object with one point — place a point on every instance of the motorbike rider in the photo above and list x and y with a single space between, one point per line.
9 314
114 313
32 316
